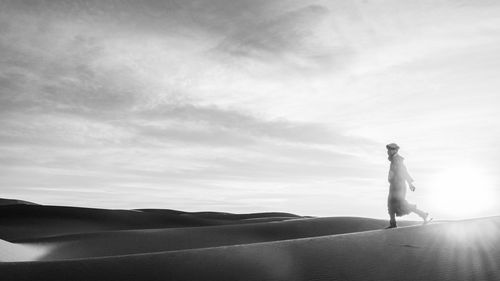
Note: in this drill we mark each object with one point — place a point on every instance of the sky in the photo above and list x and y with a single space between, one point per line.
250 105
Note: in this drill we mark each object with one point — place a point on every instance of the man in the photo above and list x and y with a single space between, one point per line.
398 177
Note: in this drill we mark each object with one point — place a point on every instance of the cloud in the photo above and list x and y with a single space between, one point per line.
68 78
150 16
78 74
111 107
206 98
283 33
217 121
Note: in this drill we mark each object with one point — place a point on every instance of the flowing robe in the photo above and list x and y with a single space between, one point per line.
398 177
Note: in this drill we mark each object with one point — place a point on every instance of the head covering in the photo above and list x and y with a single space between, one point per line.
392 146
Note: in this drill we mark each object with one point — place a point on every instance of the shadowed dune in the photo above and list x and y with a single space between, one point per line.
466 250
5 202
144 241
225 216
31 221
221 246
72 232
21 221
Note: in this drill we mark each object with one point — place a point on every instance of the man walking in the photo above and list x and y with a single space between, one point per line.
398 177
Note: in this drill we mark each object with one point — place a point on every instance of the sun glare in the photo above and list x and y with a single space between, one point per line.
462 192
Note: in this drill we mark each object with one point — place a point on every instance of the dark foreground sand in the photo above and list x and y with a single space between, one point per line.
61 243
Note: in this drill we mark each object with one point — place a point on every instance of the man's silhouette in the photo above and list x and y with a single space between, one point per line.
398 177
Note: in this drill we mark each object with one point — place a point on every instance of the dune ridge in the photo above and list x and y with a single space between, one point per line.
442 251
155 240
6 201
288 248
23 222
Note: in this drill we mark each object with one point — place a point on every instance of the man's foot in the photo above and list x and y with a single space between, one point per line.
392 224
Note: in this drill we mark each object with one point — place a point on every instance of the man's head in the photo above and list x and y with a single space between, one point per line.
392 149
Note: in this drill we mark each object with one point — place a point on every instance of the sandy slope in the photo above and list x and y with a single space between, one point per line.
10 252
21 221
69 233
144 241
63 243
467 250
5 202
226 216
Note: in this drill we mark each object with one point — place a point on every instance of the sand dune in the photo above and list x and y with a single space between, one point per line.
447 251
21 221
75 232
32 221
147 241
294 249
225 216
5 202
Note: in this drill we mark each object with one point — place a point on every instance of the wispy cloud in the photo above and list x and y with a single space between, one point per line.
201 99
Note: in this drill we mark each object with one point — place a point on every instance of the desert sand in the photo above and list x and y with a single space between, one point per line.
69 243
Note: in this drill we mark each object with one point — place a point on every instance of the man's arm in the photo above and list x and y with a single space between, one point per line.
407 176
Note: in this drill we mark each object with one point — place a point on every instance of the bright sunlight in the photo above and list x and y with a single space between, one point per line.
462 192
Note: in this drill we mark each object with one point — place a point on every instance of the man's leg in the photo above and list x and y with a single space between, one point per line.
420 213
391 210
393 219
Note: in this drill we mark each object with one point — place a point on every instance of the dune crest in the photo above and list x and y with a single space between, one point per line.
288 248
